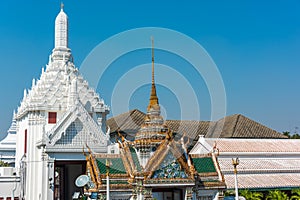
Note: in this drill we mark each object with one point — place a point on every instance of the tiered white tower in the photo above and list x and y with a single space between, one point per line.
57 117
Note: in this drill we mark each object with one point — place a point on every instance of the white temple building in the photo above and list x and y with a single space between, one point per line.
264 164
8 145
58 116
9 181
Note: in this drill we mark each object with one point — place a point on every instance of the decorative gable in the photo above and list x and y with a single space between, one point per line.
76 129
169 168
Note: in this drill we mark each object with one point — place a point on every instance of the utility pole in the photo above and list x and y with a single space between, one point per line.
235 163
107 179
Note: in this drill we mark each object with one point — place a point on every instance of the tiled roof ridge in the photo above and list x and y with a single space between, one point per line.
158 156
181 159
127 159
244 119
235 126
238 116
248 139
189 120
136 110
127 115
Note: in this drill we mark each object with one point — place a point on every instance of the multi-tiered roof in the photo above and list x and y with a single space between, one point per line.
155 158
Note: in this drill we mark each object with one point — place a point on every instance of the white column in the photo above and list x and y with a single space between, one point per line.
235 163
107 187
51 179
236 187
107 179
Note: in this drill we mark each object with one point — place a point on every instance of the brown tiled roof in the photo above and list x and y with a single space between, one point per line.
234 126
129 122
239 126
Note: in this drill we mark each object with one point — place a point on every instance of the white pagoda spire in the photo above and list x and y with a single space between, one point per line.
61 29
13 127
61 51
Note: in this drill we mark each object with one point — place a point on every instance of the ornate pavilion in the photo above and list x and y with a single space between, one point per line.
155 165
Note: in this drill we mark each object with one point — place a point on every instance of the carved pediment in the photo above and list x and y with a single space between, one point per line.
169 168
169 161
76 128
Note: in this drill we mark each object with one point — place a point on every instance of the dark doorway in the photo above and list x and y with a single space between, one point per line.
65 175
167 194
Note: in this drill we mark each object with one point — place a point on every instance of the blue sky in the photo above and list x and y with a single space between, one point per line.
255 45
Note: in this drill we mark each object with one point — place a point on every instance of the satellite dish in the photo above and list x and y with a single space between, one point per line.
82 180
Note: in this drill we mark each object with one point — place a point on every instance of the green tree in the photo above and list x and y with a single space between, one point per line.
3 164
295 136
229 193
277 195
295 194
287 133
251 195
291 136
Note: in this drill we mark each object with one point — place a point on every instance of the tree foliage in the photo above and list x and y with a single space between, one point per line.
291 136
229 193
277 195
251 195
295 194
3 164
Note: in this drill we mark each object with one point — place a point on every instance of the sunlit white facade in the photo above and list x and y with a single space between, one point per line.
58 116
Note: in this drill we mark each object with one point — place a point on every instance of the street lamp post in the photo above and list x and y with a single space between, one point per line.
235 163
107 179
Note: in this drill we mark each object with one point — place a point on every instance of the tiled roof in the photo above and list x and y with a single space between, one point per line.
262 173
135 159
263 163
234 126
258 165
261 145
261 181
192 128
247 128
129 122
116 165
204 165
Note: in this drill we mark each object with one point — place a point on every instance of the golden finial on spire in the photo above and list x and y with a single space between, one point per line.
153 96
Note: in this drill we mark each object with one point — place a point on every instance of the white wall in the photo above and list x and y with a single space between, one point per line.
9 184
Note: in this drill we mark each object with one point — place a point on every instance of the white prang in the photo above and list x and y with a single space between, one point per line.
80 120
61 30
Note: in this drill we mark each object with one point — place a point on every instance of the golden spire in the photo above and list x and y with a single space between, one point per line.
153 96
